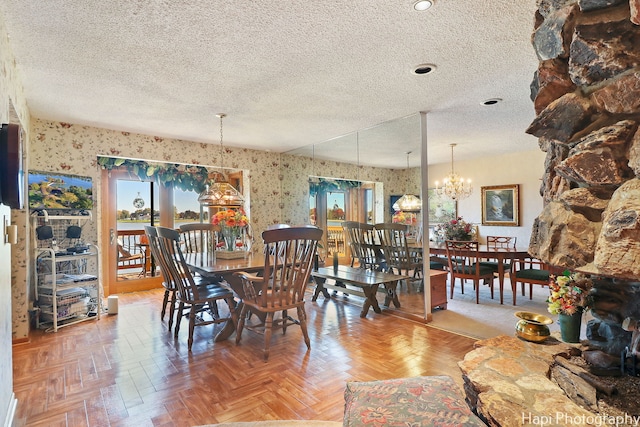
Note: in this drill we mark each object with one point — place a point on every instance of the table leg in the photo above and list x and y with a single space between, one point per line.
370 300
319 281
229 326
391 294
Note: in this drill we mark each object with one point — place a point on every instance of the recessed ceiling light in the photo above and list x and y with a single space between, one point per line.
424 69
421 5
491 101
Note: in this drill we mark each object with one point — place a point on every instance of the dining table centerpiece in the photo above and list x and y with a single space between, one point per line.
406 218
456 229
569 299
233 224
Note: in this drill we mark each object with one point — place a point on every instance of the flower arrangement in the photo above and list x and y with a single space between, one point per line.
456 229
407 218
569 293
232 223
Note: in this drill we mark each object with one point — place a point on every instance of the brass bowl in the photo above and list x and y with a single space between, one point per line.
532 326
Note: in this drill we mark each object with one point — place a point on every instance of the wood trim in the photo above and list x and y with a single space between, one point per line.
111 285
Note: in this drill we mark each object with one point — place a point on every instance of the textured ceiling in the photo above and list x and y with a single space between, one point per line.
287 73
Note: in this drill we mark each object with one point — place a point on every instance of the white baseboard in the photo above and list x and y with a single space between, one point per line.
11 411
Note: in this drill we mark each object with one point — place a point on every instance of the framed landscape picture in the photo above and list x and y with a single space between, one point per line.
441 209
501 205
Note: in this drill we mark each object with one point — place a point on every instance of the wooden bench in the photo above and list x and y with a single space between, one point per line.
367 280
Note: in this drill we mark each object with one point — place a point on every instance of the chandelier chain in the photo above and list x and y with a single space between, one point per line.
221 116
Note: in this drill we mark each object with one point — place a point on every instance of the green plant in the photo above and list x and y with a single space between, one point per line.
185 177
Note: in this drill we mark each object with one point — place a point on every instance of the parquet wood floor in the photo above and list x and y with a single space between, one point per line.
127 369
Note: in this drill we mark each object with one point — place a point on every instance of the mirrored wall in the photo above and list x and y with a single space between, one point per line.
356 177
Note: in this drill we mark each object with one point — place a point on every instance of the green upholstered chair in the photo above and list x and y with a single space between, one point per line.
499 242
465 265
529 271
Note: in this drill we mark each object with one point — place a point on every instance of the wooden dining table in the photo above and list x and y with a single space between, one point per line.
501 255
210 266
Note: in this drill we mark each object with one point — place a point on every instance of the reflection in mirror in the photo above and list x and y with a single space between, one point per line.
371 166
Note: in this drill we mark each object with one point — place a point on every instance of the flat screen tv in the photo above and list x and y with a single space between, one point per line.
55 191
11 174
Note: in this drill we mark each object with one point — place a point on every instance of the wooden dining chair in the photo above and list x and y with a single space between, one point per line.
499 242
464 264
361 238
399 257
169 297
289 255
198 237
531 271
196 300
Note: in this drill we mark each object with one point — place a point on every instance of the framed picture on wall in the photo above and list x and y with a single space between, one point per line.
392 199
501 205
441 209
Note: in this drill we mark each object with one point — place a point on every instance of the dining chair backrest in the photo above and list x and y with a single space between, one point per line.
288 261
173 260
398 255
362 239
501 242
277 226
198 237
462 257
154 245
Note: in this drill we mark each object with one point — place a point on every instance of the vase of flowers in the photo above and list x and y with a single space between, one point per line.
456 229
569 299
406 218
232 225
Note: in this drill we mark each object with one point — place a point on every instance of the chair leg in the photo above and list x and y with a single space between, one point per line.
302 317
241 319
192 325
165 301
284 321
476 283
453 285
268 329
530 290
172 309
178 318
213 308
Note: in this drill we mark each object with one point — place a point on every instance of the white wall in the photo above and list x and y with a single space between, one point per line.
7 399
524 168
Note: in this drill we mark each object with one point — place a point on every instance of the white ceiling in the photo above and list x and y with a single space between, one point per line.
288 73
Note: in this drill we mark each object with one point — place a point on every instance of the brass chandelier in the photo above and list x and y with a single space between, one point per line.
454 186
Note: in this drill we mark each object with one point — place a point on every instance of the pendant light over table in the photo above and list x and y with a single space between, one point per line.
408 202
221 193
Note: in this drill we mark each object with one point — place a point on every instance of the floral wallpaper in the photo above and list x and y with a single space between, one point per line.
14 324
276 187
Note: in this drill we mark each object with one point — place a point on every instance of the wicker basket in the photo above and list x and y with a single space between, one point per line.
230 254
